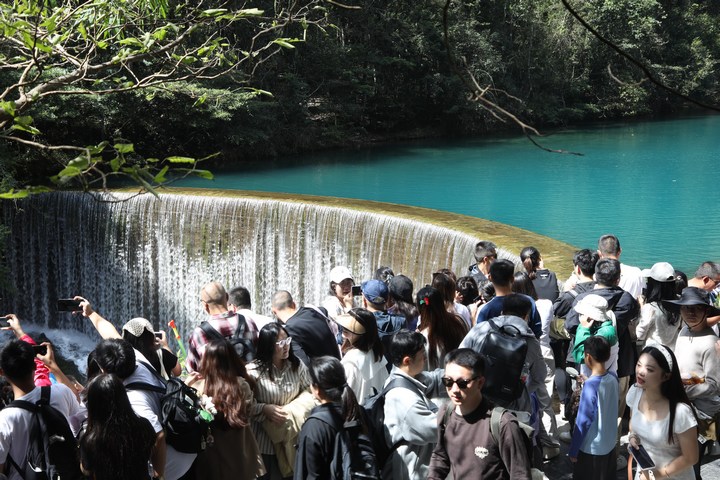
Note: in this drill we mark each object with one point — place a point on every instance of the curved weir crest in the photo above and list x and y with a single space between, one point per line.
149 257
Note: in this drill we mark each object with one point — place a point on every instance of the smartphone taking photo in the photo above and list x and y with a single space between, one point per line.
68 305
642 457
40 349
356 290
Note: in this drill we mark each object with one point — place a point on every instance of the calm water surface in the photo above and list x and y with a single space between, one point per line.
655 184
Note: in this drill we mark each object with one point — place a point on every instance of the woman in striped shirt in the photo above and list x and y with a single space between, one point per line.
280 378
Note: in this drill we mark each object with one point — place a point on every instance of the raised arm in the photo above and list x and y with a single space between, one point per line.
105 328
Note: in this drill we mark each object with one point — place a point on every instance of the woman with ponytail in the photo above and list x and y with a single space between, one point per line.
338 406
545 281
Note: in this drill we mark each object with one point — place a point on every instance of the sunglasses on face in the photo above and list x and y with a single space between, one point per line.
284 343
461 382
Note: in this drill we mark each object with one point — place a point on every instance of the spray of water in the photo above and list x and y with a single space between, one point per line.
149 257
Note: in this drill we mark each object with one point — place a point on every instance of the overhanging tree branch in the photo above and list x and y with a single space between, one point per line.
645 70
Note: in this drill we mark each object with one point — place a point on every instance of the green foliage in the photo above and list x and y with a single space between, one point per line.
72 71
160 83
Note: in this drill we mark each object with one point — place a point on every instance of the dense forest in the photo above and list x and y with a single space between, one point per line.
382 72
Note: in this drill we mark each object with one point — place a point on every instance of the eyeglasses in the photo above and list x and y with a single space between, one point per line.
461 382
284 343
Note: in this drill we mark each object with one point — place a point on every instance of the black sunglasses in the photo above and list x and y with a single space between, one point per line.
461 382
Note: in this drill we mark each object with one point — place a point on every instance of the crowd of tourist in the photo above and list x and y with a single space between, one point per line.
287 397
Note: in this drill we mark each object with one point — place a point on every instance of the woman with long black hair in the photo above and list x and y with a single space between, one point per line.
338 406
443 330
662 419
116 443
365 366
657 324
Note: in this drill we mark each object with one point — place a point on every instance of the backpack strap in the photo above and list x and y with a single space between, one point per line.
325 415
211 332
32 408
400 381
144 386
505 329
24 404
443 423
239 336
495 417
15 466
44 395
148 387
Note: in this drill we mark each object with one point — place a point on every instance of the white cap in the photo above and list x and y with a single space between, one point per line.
662 272
338 274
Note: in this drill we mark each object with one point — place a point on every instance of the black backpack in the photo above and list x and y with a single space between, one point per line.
242 345
180 410
52 452
504 350
374 410
353 456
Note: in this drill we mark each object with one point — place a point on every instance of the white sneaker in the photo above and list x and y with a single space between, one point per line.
565 437
621 462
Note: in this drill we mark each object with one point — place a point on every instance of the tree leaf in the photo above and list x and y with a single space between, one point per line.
124 147
283 43
116 163
160 177
69 172
176 159
80 162
206 174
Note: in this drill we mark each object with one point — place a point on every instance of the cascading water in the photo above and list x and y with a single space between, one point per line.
149 257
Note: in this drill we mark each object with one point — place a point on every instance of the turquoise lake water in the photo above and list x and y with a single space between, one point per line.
656 185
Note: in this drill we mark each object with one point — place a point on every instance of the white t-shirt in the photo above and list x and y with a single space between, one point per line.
631 280
654 434
147 405
364 373
15 423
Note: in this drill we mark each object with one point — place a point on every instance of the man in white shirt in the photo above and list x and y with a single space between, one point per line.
631 279
17 365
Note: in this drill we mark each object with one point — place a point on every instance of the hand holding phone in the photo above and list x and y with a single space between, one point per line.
356 290
642 457
40 349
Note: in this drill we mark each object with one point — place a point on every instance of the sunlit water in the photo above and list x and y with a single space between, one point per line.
653 184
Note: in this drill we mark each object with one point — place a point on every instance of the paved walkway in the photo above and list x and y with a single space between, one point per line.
559 468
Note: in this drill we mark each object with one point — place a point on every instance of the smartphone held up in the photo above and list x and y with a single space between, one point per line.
68 305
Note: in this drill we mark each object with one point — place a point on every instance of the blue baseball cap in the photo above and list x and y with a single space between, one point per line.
375 291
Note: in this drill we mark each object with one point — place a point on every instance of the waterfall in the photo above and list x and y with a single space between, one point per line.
149 257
